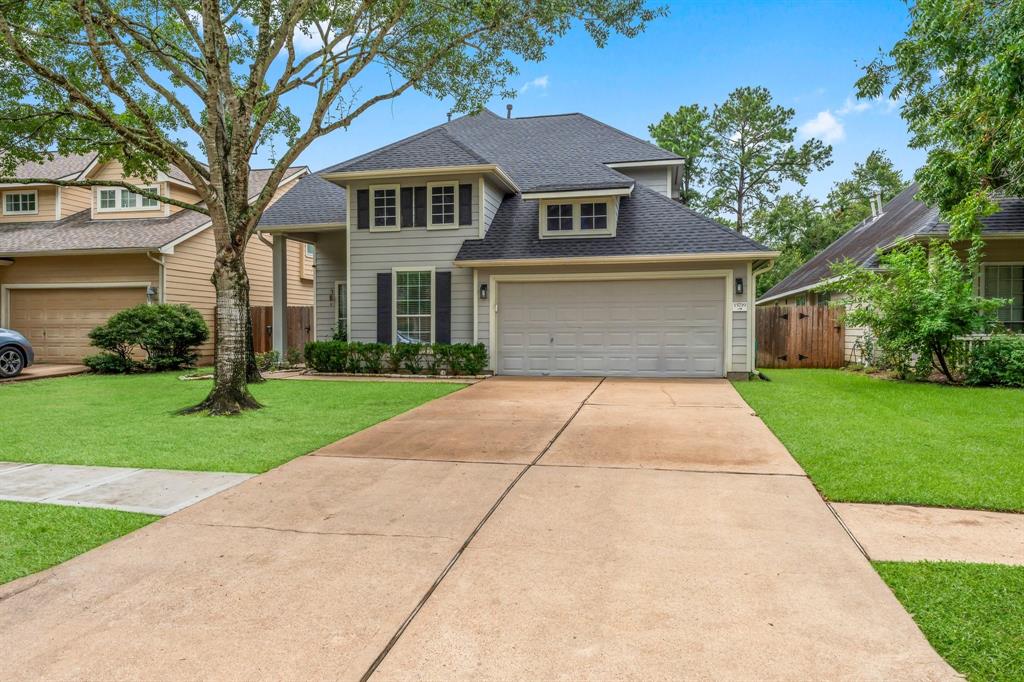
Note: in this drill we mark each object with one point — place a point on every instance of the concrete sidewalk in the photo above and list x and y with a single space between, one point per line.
490 534
146 491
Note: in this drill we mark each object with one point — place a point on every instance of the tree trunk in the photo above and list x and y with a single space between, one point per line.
233 356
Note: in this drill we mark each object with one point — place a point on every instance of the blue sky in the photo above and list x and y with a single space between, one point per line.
805 53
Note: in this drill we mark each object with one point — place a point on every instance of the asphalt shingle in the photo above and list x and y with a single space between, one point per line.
312 201
904 217
649 223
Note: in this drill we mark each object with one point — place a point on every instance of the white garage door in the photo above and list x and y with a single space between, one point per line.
666 327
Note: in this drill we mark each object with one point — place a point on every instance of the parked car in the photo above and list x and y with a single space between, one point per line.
15 353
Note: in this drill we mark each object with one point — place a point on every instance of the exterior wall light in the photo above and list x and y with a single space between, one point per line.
739 286
483 292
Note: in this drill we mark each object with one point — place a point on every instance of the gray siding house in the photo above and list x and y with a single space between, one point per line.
554 240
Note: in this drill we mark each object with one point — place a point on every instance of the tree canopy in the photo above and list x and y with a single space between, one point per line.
685 133
201 85
958 73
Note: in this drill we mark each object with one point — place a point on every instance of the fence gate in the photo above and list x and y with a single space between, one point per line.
299 320
799 336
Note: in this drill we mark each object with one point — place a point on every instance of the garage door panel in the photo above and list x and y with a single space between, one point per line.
57 321
645 327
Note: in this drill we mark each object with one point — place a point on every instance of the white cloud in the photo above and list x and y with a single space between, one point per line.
824 126
540 82
308 39
853 106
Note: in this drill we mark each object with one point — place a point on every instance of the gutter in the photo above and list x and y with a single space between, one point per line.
613 260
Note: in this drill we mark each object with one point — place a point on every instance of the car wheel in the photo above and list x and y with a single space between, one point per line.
11 363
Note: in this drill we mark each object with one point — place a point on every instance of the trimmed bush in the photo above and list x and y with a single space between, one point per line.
167 333
374 358
997 362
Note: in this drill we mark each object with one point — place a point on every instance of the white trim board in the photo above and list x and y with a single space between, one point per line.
726 275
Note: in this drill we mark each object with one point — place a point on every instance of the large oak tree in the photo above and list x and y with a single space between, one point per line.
201 85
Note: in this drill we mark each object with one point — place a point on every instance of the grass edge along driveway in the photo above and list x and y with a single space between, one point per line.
131 421
863 439
973 614
37 536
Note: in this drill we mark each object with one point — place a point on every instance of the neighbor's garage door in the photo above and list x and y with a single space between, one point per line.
57 321
665 327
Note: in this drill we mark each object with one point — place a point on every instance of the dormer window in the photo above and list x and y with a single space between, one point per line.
384 200
582 217
560 217
21 203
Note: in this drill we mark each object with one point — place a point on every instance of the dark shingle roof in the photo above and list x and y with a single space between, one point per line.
540 153
79 232
312 201
649 223
904 217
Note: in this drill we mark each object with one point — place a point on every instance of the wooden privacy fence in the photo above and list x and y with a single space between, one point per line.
799 336
299 319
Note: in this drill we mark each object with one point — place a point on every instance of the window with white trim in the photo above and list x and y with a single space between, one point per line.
21 203
560 218
414 306
578 217
594 216
122 199
1007 281
443 204
384 203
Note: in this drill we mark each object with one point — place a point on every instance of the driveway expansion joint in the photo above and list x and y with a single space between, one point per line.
299 531
459 552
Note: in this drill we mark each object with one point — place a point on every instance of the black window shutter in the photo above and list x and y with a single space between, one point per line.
443 307
421 207
465 204
407 206
363 209
383 307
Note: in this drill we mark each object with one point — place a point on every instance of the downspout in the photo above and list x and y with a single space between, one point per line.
162 277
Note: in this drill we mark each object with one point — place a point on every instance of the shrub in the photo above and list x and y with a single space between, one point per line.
267 361
405 356
110 363
917 306
167 333
997 362
373 358
293 357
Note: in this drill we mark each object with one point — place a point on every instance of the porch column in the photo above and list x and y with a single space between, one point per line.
279 324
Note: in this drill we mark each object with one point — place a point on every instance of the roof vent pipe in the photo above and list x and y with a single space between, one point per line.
449 117
878 201
508 110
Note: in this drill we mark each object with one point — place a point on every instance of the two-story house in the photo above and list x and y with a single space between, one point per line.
554 240
72 256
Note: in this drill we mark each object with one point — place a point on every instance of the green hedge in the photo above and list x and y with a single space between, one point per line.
376 358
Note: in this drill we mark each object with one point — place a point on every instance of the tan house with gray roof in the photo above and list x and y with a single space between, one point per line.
72 256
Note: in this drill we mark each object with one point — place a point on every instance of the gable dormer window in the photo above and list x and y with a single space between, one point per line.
583 217
21 203
384 207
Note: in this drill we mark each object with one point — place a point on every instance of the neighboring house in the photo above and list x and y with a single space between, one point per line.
554 240
906 219
72 256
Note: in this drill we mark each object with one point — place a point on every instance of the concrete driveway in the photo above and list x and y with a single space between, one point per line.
520 528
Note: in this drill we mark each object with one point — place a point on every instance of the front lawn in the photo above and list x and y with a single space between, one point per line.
973 614
37 536
131 420
863 439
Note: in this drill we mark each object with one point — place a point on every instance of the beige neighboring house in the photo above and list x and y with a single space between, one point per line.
905 219
72 256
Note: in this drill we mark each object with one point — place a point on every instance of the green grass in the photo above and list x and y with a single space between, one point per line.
37 536
973 614
132 420
863 439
